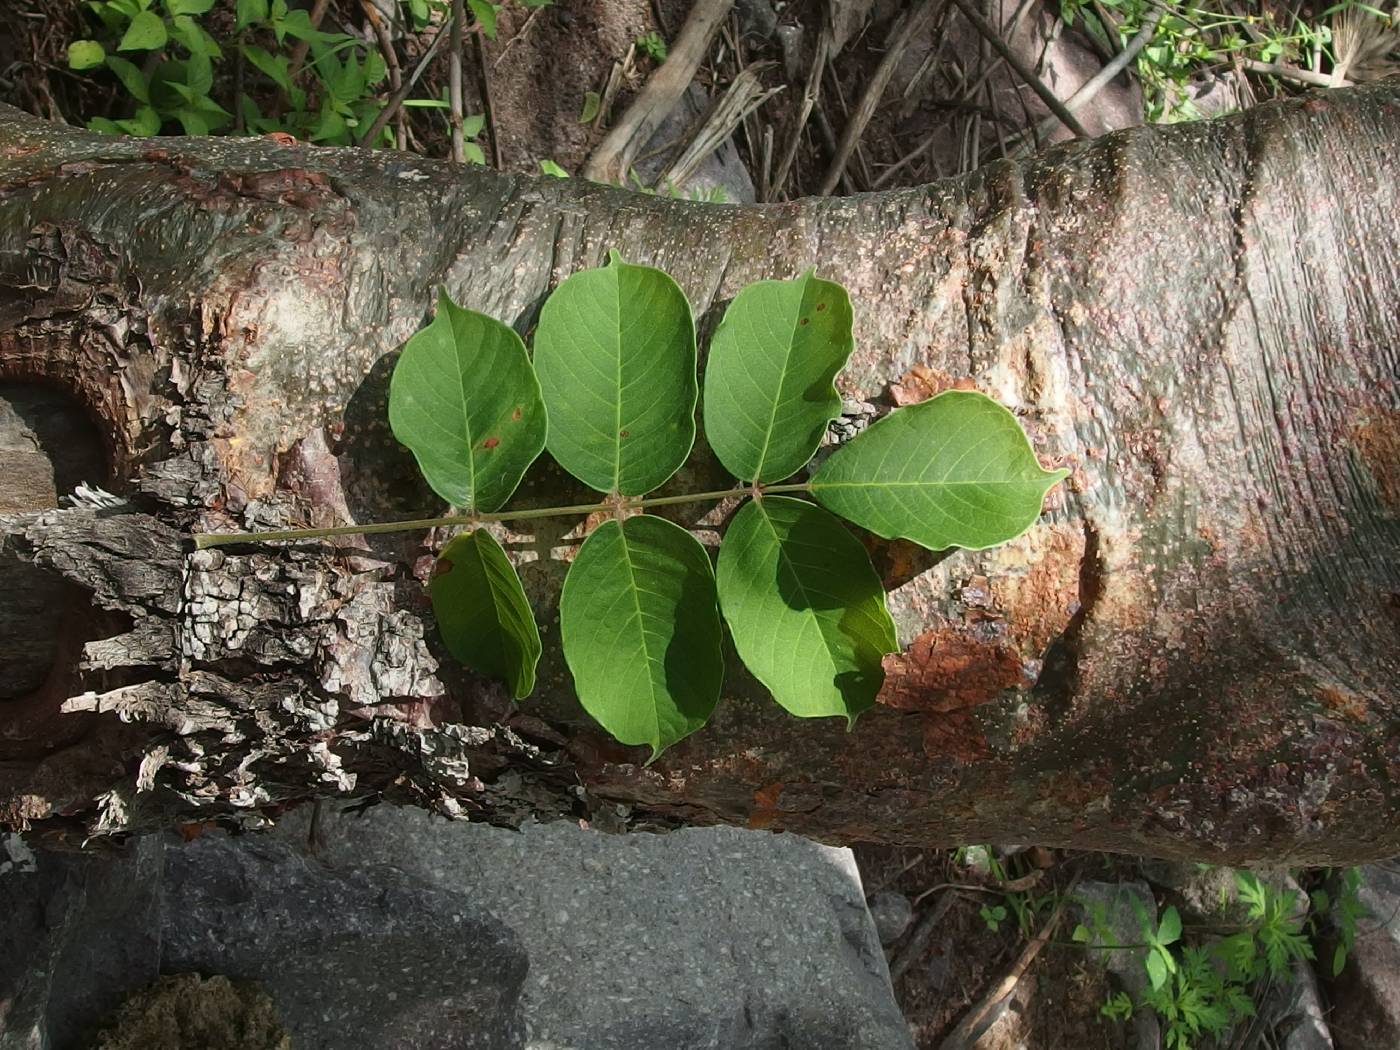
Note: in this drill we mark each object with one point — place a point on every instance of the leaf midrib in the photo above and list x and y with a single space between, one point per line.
818 484
641 631
809 613
466 415
617 404
777 394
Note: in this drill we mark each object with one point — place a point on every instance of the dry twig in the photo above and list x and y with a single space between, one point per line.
391 62
911 23
1037 85
396 100
610 161
810 91
965 1033
454 80
484 84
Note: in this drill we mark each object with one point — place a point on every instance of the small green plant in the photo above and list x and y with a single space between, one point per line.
1343 913
993 916
653 45
641 612
175 81
1200 989
1117 1007
1196 37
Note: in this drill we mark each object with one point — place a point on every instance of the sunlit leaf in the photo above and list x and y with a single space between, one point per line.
953 471
464 399
641 631
768 381
145 33
805 607
615 353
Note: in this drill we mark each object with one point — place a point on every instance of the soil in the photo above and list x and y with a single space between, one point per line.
1056 1003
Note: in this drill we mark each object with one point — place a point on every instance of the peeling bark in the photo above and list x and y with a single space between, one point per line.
1192 654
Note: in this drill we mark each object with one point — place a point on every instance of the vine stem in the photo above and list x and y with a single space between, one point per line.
205 540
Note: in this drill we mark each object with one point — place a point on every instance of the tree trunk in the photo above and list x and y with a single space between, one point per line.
1193 654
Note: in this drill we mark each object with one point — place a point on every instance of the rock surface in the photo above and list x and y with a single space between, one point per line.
1366 995
76 935
364 957
892 913
394 929
696 939
1121 927
366 960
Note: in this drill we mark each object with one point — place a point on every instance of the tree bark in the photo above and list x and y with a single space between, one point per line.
1193 654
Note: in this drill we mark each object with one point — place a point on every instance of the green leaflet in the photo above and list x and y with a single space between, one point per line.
954 471
615 353
768 381
805 607
145 33
464 399
641 631
482 611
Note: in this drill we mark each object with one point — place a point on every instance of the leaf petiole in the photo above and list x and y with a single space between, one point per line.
206 540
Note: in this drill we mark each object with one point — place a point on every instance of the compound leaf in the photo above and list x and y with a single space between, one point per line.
482 611
768 383
953 471
615 353
465 401
805 607
641 631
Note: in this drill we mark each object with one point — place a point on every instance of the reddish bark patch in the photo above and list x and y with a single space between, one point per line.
1377 440
1344 702
921 383
943 675
765 805
944 671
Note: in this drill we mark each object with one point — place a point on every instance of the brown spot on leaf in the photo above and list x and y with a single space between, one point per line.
491 442
516 414
821 307
624 433
442 566
805 320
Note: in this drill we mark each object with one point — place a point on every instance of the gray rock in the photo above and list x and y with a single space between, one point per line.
892 913
364 958
1366 995
757 18
76 934
696 939
1210 895
1304 1013
1126 964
